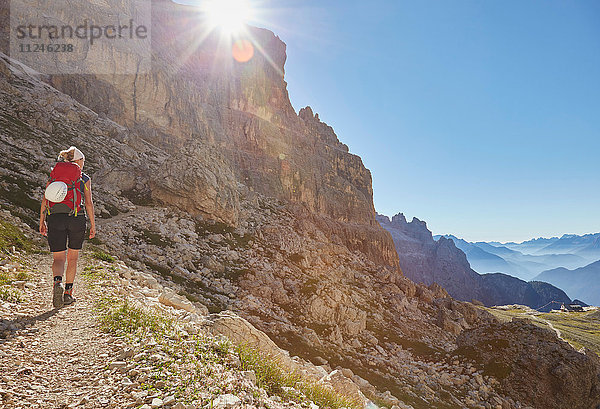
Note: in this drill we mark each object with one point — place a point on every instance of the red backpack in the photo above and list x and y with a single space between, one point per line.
69 173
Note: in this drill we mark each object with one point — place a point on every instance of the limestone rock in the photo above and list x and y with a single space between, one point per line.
345 386
240 331
534 365
179 302
226 401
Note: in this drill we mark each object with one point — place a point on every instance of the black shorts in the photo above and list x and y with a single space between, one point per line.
61 227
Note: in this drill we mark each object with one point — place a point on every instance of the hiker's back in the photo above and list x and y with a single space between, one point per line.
70 174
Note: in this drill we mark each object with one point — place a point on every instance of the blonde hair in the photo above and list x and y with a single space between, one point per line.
70 155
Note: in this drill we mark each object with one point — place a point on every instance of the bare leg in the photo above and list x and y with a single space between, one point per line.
72 257
58 263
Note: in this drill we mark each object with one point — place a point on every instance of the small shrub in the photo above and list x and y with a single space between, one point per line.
94 274
119 317
222 347
22 276
101 255
10 294
5 278
11 236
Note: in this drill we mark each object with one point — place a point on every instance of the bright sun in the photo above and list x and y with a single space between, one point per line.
230 16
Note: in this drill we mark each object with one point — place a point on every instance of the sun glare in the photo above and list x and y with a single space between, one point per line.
231 16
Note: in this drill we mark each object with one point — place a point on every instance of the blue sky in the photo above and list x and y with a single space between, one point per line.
480 117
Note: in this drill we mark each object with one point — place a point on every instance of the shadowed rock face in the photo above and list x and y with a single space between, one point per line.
425 260
197 98
534 365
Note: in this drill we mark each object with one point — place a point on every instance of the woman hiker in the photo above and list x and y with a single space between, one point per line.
63 219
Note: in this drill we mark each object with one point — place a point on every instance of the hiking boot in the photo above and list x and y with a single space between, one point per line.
57 295
68 299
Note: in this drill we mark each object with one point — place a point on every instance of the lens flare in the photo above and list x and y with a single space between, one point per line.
242 50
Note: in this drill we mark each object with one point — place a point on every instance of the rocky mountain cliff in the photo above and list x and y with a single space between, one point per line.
428 261
209 180
202 103
425 260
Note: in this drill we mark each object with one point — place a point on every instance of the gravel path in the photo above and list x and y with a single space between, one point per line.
55 358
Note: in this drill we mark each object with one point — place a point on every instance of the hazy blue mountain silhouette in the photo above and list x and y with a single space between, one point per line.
528 259
582 283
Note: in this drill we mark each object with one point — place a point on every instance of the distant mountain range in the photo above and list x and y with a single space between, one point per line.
583 282
528 259
425 260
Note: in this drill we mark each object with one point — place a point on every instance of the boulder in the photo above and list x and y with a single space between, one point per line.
179 302
345 386
533 365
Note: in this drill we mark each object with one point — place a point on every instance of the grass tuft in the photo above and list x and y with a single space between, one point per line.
10 295
101 255
22 276
11 236
5 278
94 275
271 377
119 317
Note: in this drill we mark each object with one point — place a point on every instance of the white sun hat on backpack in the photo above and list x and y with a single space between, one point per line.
56 191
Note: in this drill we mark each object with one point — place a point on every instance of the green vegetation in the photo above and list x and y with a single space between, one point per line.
119 318
581 329
10 294
506 315
22 276
123 319
18 191
271 377
5 278
101 255
11 236
94 275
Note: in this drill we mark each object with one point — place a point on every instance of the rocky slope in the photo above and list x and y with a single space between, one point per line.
425 260
502 346
213 184
505 289
134 343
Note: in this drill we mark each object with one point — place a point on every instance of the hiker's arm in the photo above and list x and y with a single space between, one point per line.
43 227
89 208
